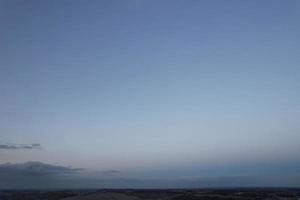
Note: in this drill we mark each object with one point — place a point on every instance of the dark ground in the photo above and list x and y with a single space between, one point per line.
161 194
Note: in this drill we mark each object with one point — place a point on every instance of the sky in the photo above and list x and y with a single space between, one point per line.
141 93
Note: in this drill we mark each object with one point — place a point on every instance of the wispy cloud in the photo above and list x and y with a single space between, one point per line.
111 172
20 146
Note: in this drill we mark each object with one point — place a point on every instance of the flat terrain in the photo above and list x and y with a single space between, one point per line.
174 194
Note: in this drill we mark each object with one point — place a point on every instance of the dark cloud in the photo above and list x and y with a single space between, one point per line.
8 147
35 169
20 146
36 175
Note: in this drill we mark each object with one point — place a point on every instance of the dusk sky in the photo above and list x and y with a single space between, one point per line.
149 89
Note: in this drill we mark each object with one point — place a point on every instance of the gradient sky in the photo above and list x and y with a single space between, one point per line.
152 88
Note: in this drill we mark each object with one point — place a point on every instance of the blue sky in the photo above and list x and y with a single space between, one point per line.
152 88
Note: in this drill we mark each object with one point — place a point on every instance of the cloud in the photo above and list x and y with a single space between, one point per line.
110 172
33 175
35 169
38 175
20 146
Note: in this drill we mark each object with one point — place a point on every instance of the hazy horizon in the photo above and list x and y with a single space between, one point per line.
141 93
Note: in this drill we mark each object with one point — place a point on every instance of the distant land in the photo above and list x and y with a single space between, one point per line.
155 194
